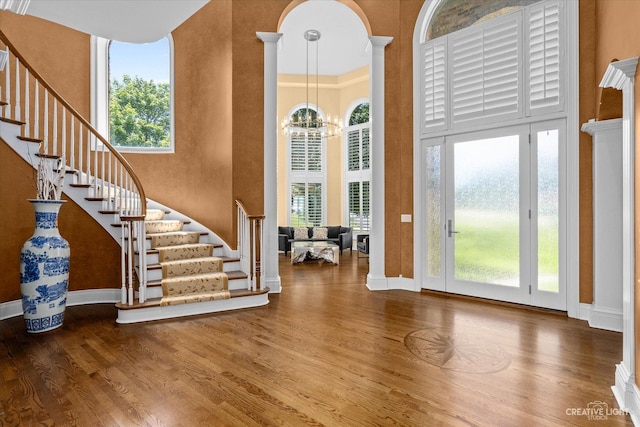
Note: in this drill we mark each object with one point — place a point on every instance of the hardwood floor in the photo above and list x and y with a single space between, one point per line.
324 352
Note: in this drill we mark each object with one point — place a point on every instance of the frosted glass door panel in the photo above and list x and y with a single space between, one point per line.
486 211
548 211
434 211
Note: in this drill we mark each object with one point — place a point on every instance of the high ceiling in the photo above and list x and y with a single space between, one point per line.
133 21
342 45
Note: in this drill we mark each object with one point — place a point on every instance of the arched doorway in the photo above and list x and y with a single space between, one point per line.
375 57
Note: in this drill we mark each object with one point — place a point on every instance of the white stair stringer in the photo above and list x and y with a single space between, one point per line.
9 133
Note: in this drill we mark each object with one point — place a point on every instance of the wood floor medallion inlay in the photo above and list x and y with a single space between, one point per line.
445 349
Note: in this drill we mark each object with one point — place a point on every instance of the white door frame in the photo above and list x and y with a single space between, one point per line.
572 174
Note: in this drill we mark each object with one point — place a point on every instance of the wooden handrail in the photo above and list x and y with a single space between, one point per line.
80 118
244 209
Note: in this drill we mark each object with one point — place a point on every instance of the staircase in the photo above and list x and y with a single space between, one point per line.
182 253
172 266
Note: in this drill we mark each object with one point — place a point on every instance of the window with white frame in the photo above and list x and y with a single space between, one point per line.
358 168
307 175
133 94
507 68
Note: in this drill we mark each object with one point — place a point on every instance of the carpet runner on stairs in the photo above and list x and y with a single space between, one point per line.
190 272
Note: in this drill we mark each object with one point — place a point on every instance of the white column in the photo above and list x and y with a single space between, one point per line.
376 279
606 309
270 271
620 75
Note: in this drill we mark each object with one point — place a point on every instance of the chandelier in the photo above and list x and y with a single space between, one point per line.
307 120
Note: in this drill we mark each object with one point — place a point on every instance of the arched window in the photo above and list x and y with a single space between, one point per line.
357 167
133 94
307 173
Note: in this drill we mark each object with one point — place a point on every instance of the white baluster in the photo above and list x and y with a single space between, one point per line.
142 257
17 106
91 139
64 134
72 146
123 250
80 158
7 108
130 261
45 135
105 191
55 126
36 111
27 118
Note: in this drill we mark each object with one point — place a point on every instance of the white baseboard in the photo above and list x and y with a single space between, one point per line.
10 309
601 317
90 296
626 393
274 285
377 283
402 283
606 318
584 311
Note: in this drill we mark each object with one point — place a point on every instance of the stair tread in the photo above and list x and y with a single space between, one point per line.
27 139
175 233
231 275
158 266
155 302
195 276
12 121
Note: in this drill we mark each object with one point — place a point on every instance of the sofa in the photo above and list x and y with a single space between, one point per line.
341 236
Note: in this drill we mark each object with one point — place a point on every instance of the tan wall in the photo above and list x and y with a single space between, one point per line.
335 95
219 109
95 256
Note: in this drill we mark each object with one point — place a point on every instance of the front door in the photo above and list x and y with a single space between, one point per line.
494 214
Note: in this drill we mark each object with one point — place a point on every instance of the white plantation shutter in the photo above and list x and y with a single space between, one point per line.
505 68
366 152
314 204
298 152
314 151
544 38
434 85
486 76
353 150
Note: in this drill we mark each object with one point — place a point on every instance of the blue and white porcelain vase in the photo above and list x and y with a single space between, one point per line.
44 270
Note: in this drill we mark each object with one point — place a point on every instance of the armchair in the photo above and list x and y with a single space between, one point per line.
363 244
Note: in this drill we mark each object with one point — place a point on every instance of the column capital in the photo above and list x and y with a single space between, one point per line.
619 72
380 41
268 37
